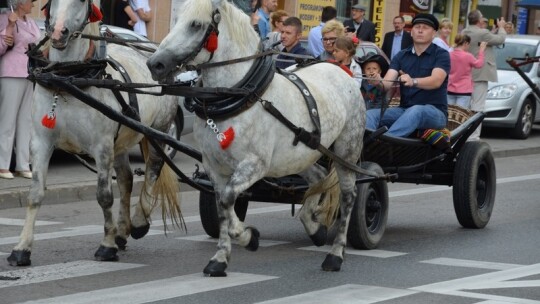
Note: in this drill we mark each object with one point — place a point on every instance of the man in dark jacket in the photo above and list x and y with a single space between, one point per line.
290 38
397 40
361 27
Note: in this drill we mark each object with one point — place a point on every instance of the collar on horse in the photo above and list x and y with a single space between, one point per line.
254 83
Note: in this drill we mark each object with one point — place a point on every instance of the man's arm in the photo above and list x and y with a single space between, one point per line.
144 16
434 81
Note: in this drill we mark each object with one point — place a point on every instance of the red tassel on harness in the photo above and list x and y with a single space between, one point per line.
96 14
227 138
49 120
212 42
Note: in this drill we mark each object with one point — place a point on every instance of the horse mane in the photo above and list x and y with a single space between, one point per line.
236 22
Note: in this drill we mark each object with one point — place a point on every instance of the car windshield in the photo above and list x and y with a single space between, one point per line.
514 50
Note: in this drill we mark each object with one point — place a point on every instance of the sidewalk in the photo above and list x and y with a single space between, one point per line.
69 181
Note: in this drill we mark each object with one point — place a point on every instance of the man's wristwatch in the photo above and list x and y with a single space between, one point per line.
414 82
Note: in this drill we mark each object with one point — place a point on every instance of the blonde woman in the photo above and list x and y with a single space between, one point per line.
460 82
443 35
274 37
330 32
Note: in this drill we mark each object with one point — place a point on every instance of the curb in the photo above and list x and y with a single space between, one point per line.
84 191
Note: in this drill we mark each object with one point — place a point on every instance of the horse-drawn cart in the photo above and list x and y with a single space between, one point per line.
469 169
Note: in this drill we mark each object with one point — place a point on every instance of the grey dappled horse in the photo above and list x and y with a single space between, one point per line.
81 129
262 146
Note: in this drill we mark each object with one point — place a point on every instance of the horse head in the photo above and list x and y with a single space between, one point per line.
205 31
65 21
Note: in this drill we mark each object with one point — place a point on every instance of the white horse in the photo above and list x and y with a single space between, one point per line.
81 129
262 146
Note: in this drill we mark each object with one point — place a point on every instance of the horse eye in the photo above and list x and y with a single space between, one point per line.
196 25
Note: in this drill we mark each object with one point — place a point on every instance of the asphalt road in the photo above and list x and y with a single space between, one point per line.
424 257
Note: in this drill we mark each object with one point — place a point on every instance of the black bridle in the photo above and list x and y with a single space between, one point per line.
212 28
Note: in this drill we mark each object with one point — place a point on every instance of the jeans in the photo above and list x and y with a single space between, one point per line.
463 101
403 122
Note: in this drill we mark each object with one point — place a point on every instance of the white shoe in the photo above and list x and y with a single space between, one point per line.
25 174
6 175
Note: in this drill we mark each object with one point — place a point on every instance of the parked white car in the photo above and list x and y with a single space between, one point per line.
510 103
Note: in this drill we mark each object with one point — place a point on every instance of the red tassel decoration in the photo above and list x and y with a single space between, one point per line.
212 42
49 120
227 138
96 14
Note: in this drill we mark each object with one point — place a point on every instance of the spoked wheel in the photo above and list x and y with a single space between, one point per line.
209 215
370 212
474 185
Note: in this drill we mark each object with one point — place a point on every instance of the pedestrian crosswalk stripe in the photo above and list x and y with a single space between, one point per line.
345 294
158 290
4 253
370 253
471 264
66 232
60 271
18 222
205 238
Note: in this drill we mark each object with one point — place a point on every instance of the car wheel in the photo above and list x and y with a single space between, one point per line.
523 127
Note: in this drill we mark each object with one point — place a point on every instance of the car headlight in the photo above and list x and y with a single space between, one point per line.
502 91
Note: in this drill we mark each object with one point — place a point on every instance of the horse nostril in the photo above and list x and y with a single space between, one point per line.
159 66
64 31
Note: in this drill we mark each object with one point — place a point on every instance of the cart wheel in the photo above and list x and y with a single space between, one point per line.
208 212
474 185
370 212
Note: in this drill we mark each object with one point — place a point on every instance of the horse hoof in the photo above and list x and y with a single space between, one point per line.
319 238
106 254
120 242
253 244
215 269
332 263
19 258
139 232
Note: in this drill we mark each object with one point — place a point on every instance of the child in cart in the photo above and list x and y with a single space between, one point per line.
372 65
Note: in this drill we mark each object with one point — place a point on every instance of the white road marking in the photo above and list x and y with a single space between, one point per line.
494 302
4 253
471 264
67 232
61 271
344 294
499 279
158 290
376 253
206 238
18 222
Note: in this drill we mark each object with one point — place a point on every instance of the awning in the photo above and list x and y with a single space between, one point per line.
530 4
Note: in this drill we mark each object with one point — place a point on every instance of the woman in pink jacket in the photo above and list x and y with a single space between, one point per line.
17 30
460 83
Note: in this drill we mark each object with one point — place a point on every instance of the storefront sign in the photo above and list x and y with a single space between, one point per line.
378 19
521 26
309 12
410 8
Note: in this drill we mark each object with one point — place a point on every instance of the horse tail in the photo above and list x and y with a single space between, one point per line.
165 192
328 189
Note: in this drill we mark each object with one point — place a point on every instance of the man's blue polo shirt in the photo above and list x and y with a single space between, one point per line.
422 66
297 49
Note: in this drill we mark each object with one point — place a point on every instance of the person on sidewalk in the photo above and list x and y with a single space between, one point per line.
488 72
315 45
396 40
142 9
17 30
422 71
359 26
123 15
267 7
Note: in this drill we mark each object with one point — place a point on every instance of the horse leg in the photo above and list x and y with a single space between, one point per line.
40 154
124 179
160 185
107 249
349 148
140 223
230 226
308 214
